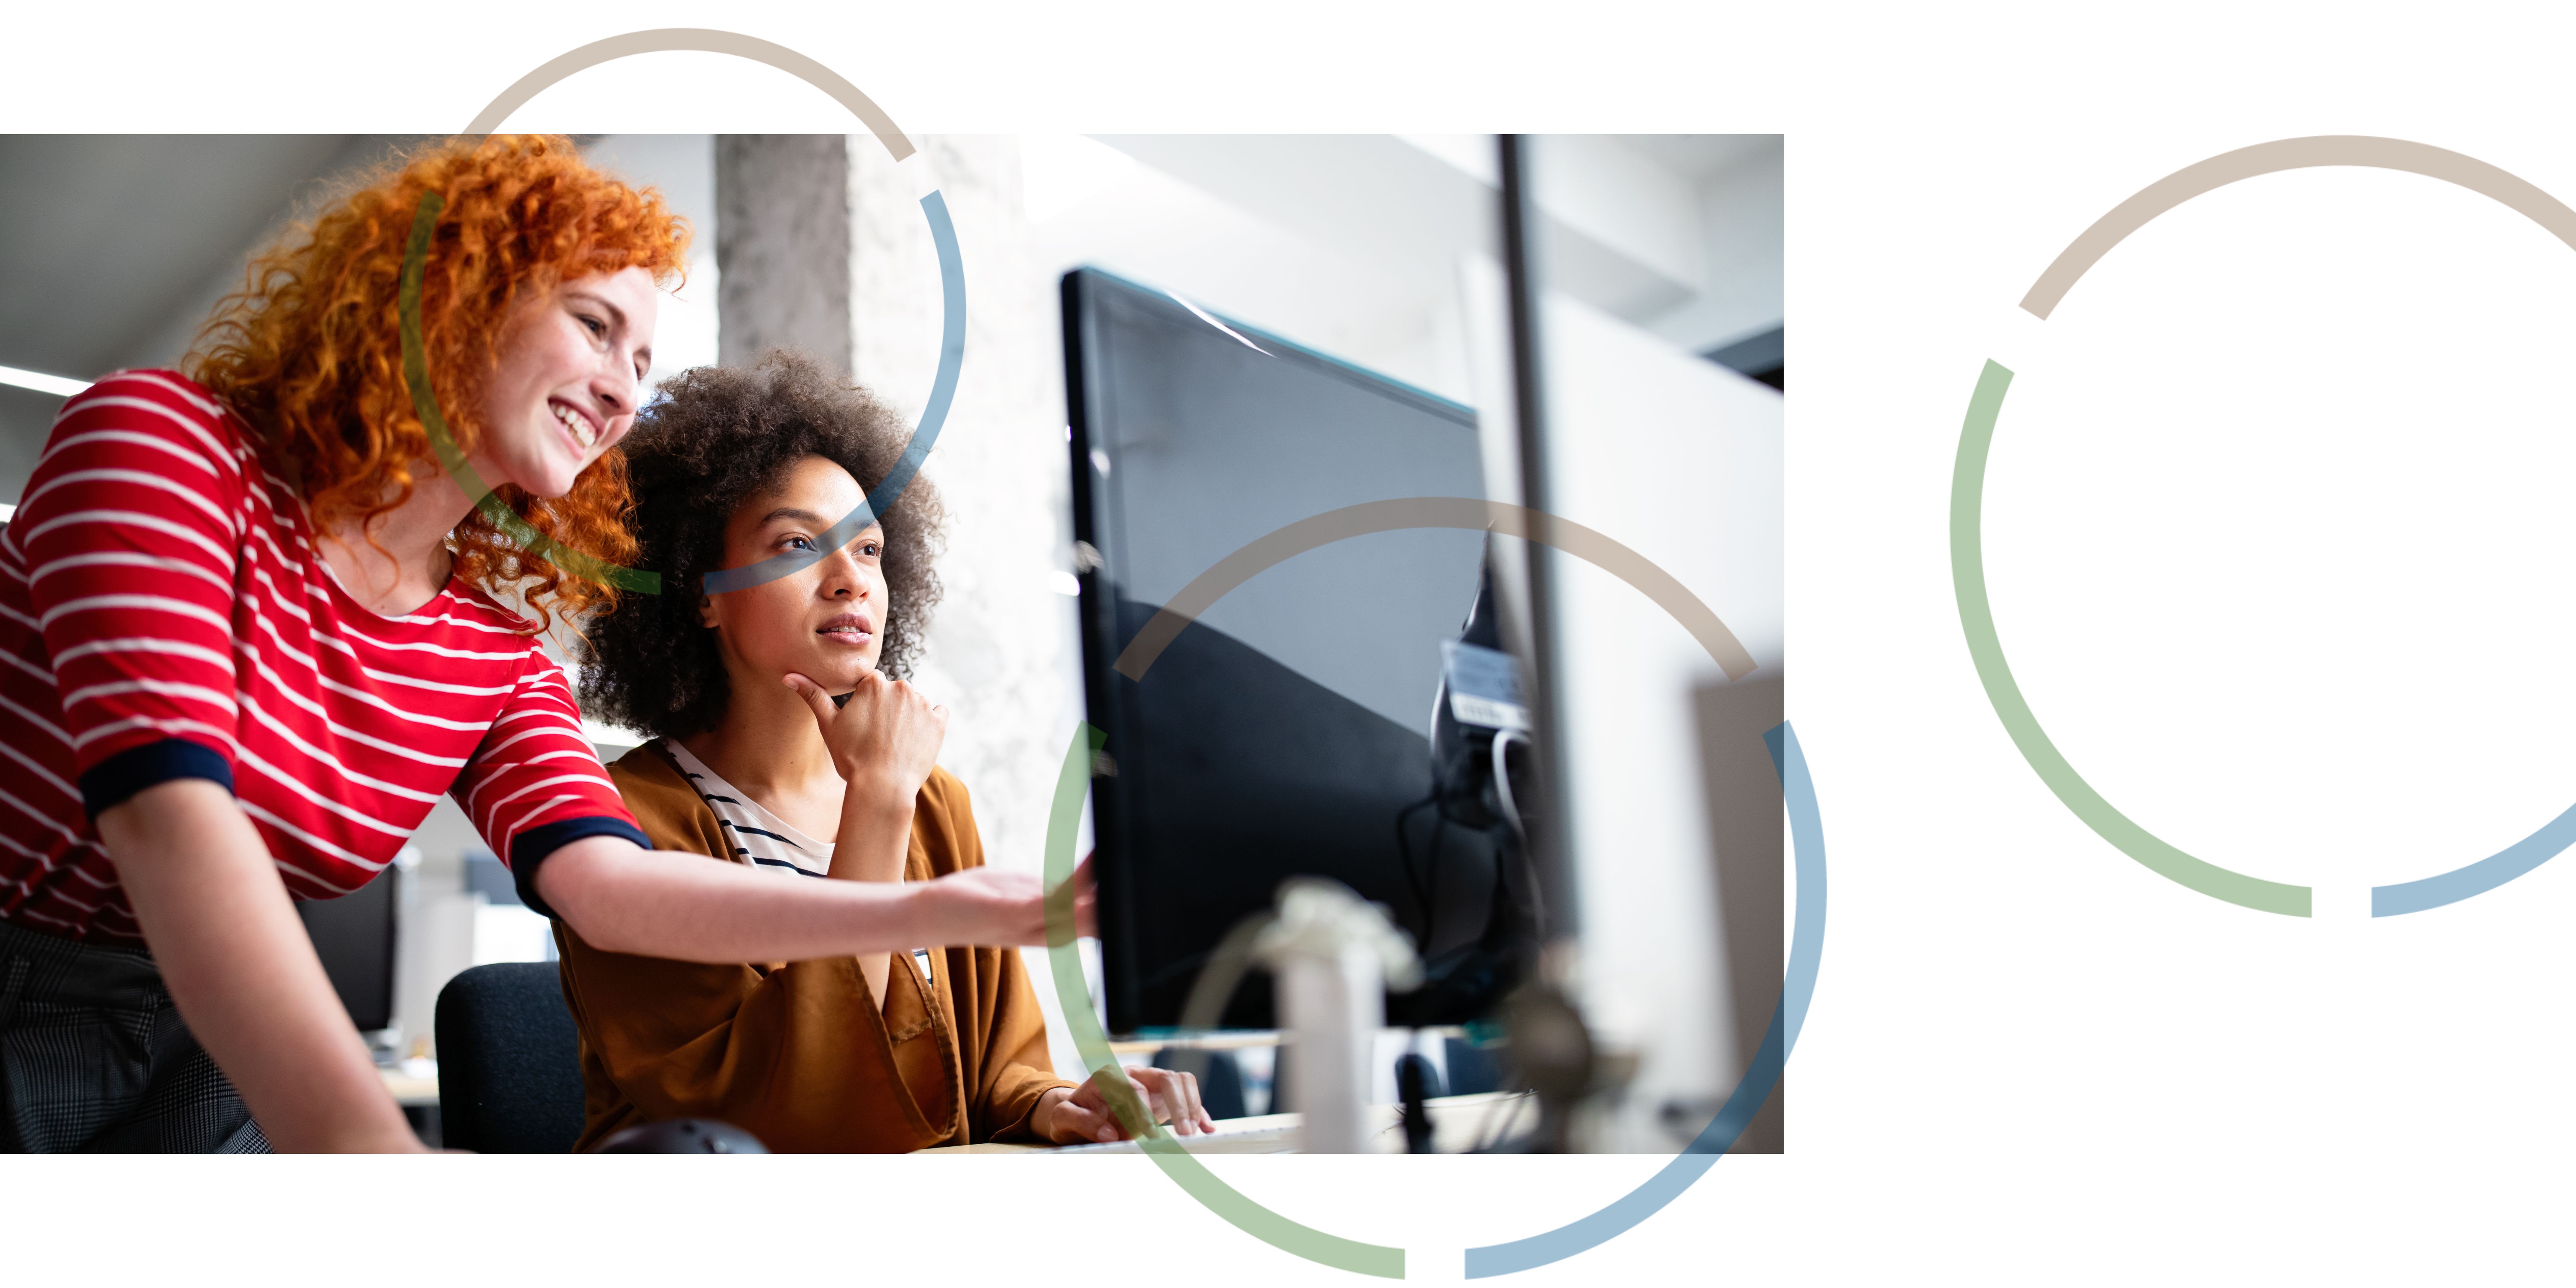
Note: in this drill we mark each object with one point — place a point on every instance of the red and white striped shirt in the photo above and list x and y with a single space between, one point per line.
164 614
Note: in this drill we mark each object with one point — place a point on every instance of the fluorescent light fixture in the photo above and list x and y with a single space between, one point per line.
58 386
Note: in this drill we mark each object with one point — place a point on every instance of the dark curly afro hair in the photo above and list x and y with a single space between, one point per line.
717 437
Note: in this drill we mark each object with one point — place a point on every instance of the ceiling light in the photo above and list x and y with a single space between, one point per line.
58 386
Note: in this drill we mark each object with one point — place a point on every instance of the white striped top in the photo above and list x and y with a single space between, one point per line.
770 843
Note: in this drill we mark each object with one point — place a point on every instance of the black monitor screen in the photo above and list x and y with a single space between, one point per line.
354 936
1284 731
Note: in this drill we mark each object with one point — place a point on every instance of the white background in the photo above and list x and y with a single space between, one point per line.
2278 552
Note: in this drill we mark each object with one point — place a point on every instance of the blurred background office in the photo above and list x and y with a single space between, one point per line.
1661 260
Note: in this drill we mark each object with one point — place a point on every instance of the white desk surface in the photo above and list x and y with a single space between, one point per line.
409 1091
1238 1039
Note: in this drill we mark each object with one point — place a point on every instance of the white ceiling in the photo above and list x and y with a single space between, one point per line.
1351 243
1700 157
115 248
112 247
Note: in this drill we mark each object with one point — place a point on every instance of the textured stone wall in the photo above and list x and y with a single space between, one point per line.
783 246
1001 649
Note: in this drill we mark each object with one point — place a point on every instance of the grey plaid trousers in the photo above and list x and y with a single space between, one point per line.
94 1058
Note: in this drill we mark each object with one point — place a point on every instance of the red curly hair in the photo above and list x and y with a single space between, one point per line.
309 352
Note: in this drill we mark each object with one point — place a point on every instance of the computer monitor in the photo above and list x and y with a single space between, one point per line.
354 936
1286 730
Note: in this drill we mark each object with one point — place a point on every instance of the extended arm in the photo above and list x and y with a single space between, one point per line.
629 900
243 972
246 980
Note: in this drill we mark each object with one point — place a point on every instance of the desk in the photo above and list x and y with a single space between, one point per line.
408 1091
1221 1040
1238 1039
1456 1124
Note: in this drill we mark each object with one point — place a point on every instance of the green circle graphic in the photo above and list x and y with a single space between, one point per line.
1976 616
1186 1171
1967 491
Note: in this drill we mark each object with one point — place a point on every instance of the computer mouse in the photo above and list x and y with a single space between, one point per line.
683 1136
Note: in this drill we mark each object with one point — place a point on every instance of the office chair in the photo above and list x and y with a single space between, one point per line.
509 1061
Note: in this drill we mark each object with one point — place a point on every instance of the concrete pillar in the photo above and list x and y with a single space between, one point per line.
783 246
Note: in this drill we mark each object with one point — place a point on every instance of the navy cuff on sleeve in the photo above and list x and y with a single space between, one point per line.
532 846
115 780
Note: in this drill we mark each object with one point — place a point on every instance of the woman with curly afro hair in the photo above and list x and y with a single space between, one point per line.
252 629
788 744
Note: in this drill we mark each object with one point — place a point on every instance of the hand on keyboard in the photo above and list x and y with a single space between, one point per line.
1083 1114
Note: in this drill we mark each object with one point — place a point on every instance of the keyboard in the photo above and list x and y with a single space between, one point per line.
1268 1134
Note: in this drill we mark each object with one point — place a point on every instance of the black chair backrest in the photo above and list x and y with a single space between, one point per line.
509 1061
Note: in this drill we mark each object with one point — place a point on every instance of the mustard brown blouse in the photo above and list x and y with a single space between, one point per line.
798 1053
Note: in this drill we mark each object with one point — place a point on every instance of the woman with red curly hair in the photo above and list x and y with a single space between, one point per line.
252 629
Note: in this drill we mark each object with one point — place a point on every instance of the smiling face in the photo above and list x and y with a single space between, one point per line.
571 374
825 621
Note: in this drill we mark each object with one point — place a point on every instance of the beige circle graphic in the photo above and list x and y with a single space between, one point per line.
700 40
2367 151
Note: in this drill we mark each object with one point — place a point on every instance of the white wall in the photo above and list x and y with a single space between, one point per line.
1347 243
1679 460
682 167
1742 230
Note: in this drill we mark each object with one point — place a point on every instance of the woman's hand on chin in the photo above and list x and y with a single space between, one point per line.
886 736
